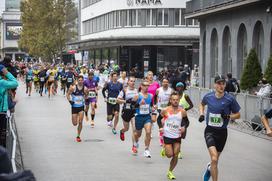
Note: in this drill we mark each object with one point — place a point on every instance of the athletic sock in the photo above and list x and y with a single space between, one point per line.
92 115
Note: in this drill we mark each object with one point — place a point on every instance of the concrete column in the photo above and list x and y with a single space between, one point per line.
208 58
234 37
220 49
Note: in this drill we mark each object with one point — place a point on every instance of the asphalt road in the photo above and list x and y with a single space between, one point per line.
50 151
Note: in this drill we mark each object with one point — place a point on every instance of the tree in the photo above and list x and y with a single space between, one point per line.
47 27
252 72
268 71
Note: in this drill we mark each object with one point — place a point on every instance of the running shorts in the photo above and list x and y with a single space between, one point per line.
141 120
216 137
127 114
68 85
112 108
268 115
171 140
90 100
76 110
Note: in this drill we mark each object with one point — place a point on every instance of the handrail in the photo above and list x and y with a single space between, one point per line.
14 142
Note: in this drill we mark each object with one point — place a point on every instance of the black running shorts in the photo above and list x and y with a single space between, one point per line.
171 141
112 108
127 114
216 137
76 110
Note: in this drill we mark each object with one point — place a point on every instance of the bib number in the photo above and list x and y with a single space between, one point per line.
144 109
128 106
42 79
79 100
92 94
51 78
70 80
112 100
29 78
215 120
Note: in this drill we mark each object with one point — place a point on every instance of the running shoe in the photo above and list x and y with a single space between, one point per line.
110 123
122 135
134 149
114 131
180 155
162 152
78 139
207 174
92 124
147 153
170 175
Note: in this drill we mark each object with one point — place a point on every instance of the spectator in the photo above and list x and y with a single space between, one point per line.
265 122
7 63
232 85
7 81
265 89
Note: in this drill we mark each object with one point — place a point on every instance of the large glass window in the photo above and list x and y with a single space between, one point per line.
154 17
133 17
148 17
160 15
182 17
177 17
118 18
114 19
124 18
165 17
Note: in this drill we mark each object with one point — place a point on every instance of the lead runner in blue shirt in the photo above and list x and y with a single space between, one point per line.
221 107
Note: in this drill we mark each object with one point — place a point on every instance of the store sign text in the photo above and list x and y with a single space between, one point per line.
143 2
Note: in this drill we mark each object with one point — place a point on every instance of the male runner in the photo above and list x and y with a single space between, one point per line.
75 96
123 79
173 127
128 113
163 96
42 78
221 107
91 85
144 106
113 88
29 80
70 77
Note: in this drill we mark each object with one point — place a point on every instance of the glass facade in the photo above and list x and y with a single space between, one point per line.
86 3
13 4
137 17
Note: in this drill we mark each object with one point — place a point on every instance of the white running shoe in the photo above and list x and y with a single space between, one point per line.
147 154
110 123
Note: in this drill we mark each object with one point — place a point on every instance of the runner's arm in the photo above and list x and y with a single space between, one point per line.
68 95
234 116
104 90
185 121
189 102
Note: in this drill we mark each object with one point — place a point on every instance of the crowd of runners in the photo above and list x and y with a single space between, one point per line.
141 108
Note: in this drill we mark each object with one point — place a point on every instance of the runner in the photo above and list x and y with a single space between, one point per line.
56 81
51 79
175 121
70 76
163 96
144 106
125 97
91 85
36 78
75 96
221 107
42 78
29 80
113 88
63 80
123 79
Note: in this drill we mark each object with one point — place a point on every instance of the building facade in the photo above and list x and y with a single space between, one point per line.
148 34
10 30
228 30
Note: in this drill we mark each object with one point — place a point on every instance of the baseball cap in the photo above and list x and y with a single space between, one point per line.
179 84
219 78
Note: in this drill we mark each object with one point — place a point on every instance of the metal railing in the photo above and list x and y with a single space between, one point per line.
252 108
13 144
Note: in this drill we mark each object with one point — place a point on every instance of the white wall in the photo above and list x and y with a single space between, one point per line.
106 6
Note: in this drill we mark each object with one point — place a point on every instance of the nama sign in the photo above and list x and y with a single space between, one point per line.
143 2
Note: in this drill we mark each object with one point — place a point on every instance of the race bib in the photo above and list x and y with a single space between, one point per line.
164 104
92 94
128 106
215 120
70 80
79 100
112 100
144 109
42 79
29 78
173 126
51 78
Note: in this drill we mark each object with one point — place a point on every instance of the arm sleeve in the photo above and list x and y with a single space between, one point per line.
10 83
159 121
104 90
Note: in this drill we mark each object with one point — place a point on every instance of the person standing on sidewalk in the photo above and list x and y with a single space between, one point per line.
221 108
7 81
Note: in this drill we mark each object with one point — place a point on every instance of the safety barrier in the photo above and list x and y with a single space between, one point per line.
252 108
13 144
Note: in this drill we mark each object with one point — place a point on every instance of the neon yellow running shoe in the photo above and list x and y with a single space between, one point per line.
180 155
162 152
170 175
